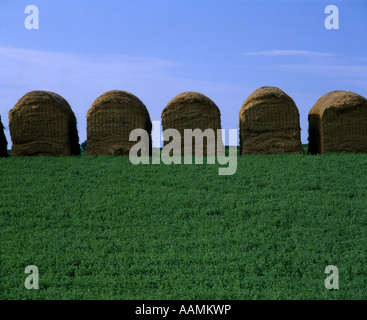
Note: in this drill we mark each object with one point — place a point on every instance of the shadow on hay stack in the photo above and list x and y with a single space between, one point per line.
193 110
3 142
338 123
269 123
43 123
111 118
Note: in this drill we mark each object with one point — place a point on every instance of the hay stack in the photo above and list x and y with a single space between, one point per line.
111 118
193 110
338 123
42 123
3 142
269 123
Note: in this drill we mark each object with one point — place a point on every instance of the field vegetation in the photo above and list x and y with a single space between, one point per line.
102 228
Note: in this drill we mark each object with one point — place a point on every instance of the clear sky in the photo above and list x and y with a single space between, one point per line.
157 49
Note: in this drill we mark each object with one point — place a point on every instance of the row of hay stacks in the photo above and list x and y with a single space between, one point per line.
269 123
42 123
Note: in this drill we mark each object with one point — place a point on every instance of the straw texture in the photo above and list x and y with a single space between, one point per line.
111 118
269 123
338 123
43 123
193 110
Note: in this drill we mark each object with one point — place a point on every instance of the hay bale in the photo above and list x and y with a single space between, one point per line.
111 118
338 123
193 110
269 123
43 123
3 142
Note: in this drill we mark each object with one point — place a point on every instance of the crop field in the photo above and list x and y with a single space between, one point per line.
102 228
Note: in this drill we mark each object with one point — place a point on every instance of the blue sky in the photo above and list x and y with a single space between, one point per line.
157 49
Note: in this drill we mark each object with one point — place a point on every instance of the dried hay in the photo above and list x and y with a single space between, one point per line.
269 123
193 110
111 118
42 123
3 142
338 123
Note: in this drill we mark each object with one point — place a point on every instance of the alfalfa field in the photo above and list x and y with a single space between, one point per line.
103 228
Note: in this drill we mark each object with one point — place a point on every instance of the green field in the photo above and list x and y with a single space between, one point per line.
102 228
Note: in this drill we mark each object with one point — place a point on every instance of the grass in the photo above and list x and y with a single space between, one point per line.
101 228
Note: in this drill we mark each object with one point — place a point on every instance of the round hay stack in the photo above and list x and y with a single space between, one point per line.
338 123
111 118
269 123
193 110
3 142
42 123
